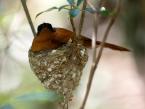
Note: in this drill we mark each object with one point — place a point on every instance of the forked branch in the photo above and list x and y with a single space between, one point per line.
97 60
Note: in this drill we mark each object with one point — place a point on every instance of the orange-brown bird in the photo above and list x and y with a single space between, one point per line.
52 38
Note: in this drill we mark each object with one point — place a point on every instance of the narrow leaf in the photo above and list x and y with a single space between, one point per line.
74 12
71 2
90 10
79 2
62 7
50 9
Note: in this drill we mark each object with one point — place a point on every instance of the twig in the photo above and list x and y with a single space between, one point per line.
72 23
28 17
94 66
73 26
82 18
81 22
94 38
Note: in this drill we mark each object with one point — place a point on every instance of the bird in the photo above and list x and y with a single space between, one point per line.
49 37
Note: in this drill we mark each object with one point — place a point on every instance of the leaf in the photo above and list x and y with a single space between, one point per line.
104 11
43 96
6 106
79 2
62 7
90 10
50 9
74 12
71 2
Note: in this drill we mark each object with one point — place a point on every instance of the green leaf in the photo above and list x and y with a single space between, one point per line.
62 7
74 12
90 10
43 96
79 2
6 106
71 2
50 9
104 11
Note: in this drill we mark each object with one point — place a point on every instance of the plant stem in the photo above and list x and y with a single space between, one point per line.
94 38
28 17
94 66
82 18
72 24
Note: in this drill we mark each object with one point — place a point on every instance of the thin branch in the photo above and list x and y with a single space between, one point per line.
94 66
28 16
73 26
82 18
94 38
72 23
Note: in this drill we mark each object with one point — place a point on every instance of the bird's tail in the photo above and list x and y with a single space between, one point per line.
87 42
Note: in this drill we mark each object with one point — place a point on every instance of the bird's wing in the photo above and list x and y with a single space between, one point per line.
62 35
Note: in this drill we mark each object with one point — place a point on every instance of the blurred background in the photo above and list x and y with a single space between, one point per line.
119 79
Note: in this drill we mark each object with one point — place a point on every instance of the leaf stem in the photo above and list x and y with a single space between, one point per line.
28 16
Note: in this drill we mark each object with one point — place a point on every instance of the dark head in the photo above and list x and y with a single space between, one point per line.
45 25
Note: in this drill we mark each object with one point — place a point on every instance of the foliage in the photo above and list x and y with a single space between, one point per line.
74 9
41 96
29 95
104 12
6 106
30 100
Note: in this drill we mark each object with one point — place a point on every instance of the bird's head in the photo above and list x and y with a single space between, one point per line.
47 26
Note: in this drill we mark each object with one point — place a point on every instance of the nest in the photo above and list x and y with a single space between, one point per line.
60 70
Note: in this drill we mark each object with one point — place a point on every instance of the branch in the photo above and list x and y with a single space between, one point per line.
73 26
82 18
28 17
72 23
94 38
97 60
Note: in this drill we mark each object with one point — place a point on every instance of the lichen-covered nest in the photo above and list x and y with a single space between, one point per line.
60 70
